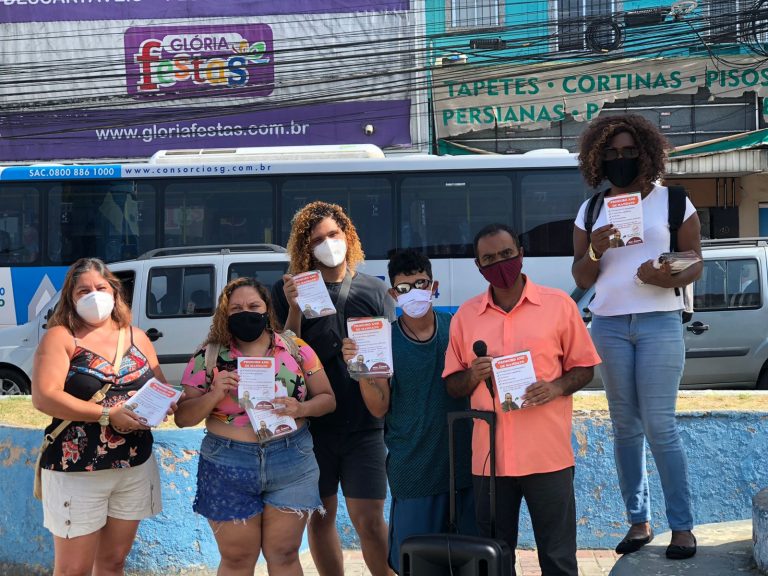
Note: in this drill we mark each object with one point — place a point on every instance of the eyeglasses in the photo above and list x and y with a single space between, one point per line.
405 287
630 152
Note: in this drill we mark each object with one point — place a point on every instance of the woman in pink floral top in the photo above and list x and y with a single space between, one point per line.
257 481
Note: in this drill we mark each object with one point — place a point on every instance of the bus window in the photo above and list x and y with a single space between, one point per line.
441 214
20 225
107 220
220 211
549 202
367 201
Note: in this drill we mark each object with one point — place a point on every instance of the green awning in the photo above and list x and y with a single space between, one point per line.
448 148
748 140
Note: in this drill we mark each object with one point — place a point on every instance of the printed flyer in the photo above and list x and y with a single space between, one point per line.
625 213
513 374
152 401
373 337
256 390
313 298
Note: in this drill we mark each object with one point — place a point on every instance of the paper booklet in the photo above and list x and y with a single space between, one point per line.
256 390
513 374
373 337
678 261
625 213
152 401
313 298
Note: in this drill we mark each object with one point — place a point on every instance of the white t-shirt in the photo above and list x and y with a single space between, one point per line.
616 291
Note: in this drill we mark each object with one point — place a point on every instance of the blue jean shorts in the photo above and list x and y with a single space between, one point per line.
236 479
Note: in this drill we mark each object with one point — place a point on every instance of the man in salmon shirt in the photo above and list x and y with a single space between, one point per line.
534 458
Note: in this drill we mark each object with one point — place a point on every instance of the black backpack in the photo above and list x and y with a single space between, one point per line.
675 215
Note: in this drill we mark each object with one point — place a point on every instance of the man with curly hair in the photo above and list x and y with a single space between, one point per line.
636 319
348 443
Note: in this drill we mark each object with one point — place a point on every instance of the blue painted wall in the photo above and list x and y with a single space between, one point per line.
726 453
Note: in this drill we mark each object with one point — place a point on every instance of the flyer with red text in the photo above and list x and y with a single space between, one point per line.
313 298
256 391
152 401
625 213
513 374
373 337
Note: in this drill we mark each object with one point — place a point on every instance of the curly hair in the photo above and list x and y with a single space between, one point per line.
302 224
66 314
219 332
649 141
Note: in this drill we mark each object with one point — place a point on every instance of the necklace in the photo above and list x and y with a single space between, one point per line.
411 334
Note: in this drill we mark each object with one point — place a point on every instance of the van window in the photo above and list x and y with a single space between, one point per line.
180 291
728 284
127 282
265 272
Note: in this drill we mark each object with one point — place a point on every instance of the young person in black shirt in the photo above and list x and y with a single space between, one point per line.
349 443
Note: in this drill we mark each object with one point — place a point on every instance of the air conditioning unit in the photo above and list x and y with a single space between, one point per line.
450 60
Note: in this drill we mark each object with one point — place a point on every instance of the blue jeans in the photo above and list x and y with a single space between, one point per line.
643 357
236 479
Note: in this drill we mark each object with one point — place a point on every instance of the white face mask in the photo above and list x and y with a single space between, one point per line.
95 307
331 252
415 303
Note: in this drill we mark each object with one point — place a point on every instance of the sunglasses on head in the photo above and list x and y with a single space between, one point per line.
405 287
630 152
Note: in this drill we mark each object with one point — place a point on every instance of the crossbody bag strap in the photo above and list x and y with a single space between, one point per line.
97 397
341 302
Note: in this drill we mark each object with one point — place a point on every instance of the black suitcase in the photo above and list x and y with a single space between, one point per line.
453 554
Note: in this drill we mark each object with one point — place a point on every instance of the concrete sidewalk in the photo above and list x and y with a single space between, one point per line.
724 549
591 563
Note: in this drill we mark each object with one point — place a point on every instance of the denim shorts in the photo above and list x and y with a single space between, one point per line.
236 479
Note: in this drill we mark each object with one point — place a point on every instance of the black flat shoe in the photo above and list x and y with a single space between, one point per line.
676 552
629 545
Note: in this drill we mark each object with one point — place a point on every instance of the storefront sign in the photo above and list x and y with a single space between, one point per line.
468 98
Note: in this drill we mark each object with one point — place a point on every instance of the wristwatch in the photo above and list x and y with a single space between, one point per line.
592 256
104 418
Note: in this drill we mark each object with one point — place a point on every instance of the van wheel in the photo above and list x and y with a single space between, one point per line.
762 382
13 383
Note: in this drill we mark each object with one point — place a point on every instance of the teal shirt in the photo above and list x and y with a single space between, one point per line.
416 427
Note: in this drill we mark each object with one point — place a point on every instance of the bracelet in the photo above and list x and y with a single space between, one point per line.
592 256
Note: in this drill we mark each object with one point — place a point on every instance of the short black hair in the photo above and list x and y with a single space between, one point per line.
495 228
408 261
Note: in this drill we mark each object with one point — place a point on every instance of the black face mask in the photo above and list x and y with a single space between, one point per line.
621 172
247 326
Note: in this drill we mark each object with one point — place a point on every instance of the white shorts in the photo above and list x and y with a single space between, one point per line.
78 503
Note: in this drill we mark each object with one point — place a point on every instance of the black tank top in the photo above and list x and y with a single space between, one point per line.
88 446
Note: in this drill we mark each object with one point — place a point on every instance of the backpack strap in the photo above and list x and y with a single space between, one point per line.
593 210
212 352
676 196
676 213
289 339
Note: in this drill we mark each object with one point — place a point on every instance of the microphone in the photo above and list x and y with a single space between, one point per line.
480 348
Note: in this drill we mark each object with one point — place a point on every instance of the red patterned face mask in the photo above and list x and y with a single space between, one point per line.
504 273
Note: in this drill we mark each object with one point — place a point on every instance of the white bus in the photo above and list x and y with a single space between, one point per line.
50 215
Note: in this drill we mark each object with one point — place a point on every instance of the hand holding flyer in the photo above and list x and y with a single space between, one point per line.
373 337
625 213
152 402
313 298
256 390
513 374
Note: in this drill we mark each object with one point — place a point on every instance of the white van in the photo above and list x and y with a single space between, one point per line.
172 293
